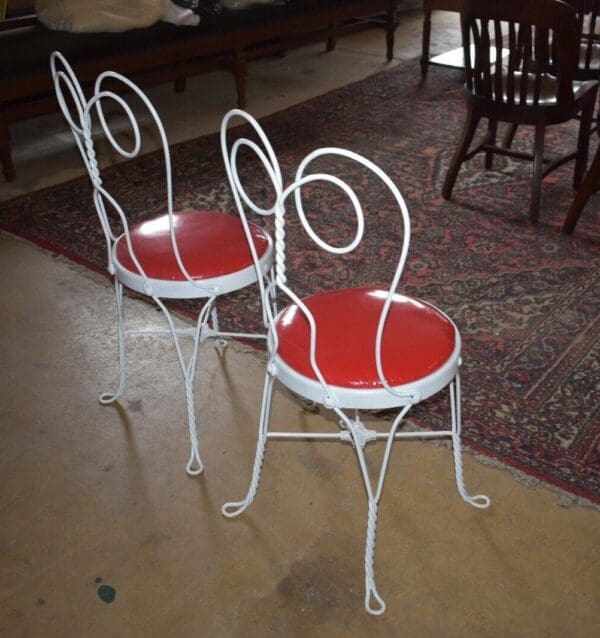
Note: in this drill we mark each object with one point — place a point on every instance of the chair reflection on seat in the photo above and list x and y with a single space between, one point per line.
356 349
178 255
534 86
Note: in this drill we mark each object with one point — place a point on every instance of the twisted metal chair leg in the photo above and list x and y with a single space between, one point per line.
374 603
481 501
109 397
371 593
232 509
194 465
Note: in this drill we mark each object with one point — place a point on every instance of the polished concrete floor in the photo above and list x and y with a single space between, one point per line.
95 500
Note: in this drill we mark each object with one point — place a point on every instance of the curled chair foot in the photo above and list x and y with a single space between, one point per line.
373 595
231 510
194 466
106 398
481 501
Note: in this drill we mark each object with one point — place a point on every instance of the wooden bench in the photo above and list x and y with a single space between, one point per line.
165 52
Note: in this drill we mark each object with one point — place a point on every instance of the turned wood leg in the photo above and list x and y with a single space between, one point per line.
425 43
390 30
491 140
331 37
240 69
8 168
583 143
179 85
468 132
510 135
538 171
590 184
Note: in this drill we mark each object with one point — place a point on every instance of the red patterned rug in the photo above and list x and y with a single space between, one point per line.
526 299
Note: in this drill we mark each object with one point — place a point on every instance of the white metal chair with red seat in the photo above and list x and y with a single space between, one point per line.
177 255
357 349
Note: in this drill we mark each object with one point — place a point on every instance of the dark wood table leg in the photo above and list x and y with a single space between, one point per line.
425 42
331 37
390 30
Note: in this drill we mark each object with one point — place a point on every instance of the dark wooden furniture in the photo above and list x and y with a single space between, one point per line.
588 19
428 7
533 86
165 52
591 183
588 66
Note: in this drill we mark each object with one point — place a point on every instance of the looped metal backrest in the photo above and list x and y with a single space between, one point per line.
302 179
511 46
268 159
266 155
80 122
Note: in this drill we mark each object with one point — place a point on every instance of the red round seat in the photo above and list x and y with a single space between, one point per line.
418 339
210 244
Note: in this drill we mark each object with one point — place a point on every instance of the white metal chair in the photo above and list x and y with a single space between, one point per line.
357 349
178 255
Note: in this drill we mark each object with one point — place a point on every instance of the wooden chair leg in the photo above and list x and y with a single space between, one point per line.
180 85
8 168
240 71
468 132
509 136
538 170
590 184
425 43
331 37
583 143
491 140
390 30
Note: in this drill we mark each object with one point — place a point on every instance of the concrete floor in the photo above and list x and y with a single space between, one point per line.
94 495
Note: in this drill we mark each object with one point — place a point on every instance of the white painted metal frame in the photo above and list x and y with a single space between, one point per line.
79 118
340 399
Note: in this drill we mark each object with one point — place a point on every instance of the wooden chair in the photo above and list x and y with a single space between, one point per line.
535 85
588 66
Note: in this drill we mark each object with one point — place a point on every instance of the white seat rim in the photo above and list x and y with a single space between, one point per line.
184 289
371 398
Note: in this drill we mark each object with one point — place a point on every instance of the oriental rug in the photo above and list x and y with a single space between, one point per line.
526 299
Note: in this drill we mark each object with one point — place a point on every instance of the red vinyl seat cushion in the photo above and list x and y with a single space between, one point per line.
210 245
418 339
